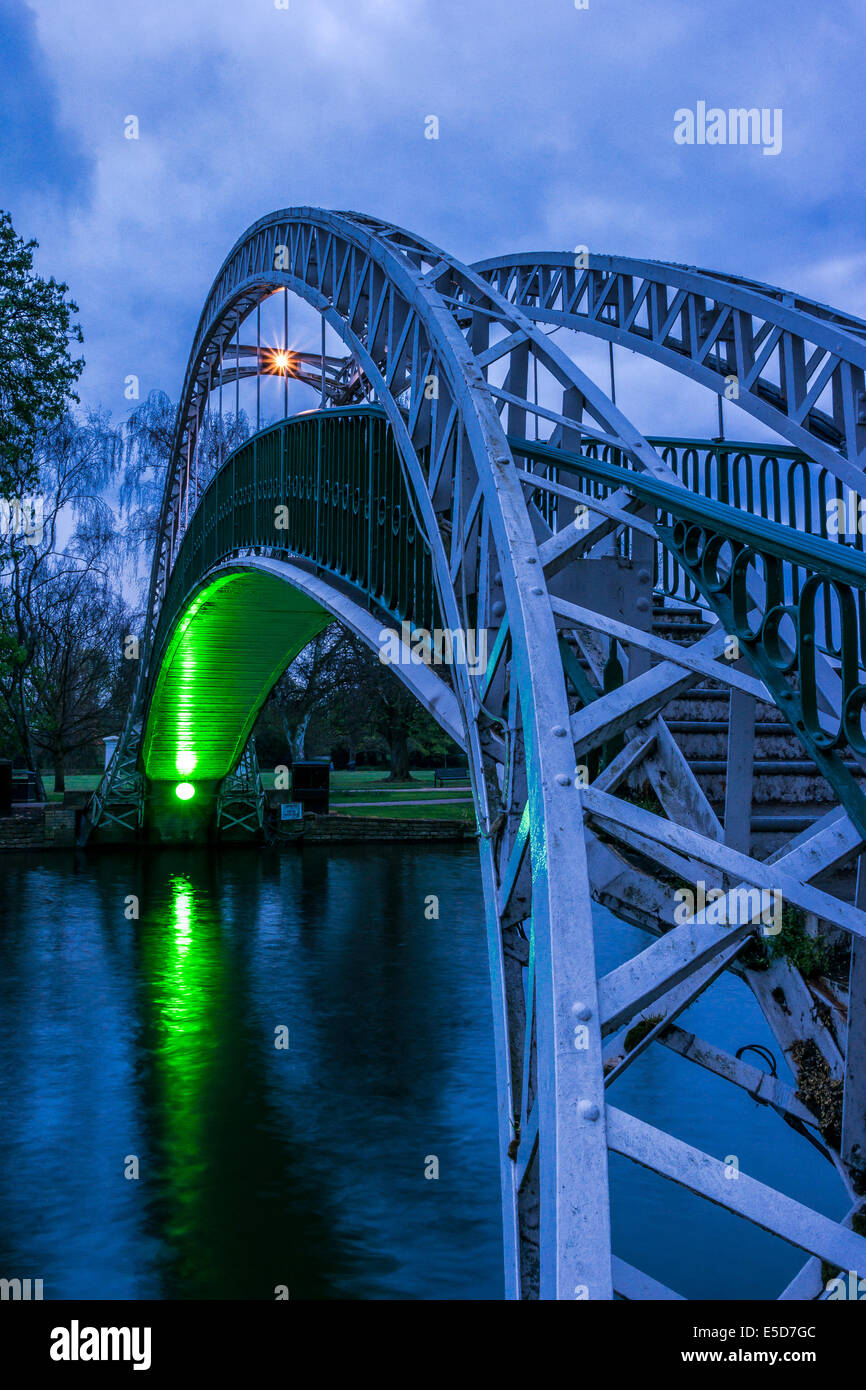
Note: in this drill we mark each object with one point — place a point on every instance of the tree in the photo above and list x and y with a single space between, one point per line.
392 711
76 535
306 685
341 690
148 437
77 676
37 371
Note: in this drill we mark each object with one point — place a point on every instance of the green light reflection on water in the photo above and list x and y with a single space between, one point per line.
186 976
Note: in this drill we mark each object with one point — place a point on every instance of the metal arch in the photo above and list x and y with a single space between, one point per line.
428 687
563 1187
709 326
248 275
412 314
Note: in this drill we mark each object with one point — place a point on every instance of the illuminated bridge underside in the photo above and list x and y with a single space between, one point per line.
233 642
233 639
495 486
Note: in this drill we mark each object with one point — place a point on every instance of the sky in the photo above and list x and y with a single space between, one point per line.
556 129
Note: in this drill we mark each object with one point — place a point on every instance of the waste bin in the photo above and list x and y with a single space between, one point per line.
311 784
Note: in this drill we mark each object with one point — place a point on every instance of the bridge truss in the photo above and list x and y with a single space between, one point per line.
543 516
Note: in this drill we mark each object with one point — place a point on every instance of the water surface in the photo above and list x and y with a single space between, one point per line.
153 1039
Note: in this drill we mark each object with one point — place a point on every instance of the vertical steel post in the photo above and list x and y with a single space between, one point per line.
740 771
854 1103
286 351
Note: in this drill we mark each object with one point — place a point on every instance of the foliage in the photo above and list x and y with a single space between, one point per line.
37 371
78 679
811 955
48 578
337 692
372 699
148 438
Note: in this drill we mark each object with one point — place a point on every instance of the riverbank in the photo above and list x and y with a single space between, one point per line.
365 807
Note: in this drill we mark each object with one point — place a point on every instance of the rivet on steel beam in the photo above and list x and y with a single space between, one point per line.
563 779
536 590
558 731
581 1011
588 1110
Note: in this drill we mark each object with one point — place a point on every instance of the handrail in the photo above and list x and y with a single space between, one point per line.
830 558
779 621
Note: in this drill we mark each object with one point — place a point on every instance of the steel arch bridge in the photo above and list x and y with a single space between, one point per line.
463 470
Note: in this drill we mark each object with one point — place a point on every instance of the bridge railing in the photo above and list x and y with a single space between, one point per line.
328 487
794 601
325 487
775 482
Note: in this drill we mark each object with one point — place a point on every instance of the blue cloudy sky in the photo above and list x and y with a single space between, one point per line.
556 129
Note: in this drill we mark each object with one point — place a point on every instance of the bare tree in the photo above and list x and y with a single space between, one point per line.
391 710
75 533
148 437
307 685
78 678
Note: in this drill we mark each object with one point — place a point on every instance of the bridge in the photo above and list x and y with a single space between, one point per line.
462 471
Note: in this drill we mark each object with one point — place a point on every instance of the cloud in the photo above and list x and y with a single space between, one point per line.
43 169
556 128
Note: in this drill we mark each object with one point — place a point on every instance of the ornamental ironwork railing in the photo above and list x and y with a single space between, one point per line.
326 487
773 481
794 601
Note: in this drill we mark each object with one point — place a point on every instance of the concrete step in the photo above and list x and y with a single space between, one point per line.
773 741
720 726
674 630
710 707
789 793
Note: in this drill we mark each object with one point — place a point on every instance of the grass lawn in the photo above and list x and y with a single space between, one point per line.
374 786
366 785
464 813
383 794
75 782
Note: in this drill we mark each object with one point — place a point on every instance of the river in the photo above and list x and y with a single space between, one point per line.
146 1044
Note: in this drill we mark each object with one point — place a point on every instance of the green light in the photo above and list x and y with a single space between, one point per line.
229 645
185 790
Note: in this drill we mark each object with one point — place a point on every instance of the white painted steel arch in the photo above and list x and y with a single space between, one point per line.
457 367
